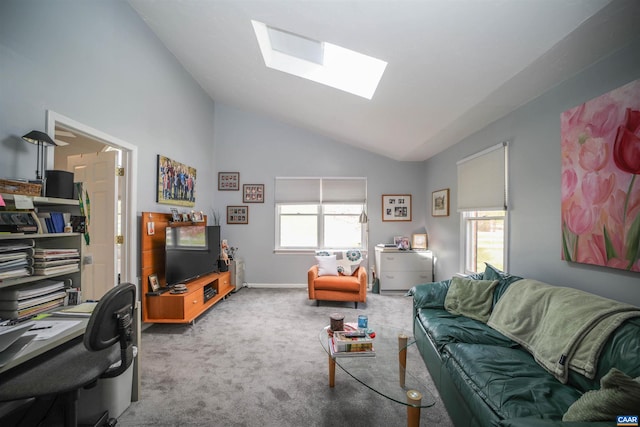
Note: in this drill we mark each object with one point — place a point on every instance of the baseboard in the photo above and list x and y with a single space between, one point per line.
277 285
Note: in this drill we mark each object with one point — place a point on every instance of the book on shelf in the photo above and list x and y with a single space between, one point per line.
32 290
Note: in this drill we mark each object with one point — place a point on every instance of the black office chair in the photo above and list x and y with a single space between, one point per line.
63 371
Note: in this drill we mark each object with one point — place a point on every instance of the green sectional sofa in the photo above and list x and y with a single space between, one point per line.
488 379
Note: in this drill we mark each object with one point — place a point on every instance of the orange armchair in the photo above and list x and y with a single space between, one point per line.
338 288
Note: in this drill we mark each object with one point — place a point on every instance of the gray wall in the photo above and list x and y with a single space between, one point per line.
98 63
262 149
534 190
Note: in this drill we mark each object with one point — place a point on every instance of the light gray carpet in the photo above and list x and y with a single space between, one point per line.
254 359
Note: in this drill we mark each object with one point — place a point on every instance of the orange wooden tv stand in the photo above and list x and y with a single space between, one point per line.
167 307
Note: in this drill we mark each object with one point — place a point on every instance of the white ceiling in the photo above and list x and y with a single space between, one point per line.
454 66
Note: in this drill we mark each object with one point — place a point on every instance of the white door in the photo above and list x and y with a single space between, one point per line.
97 172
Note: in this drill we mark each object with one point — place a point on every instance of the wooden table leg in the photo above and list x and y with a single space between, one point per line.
332 371
402 357
413 412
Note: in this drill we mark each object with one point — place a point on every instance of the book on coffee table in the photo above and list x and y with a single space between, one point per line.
362 352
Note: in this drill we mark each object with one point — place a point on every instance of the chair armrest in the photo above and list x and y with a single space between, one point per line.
312 275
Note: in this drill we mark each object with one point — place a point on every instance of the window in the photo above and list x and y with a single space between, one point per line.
484 233
320 213
482 202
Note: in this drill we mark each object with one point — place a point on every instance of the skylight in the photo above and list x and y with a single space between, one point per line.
320 62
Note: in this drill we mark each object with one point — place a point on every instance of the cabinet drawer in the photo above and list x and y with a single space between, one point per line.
193 304
403 280
409 261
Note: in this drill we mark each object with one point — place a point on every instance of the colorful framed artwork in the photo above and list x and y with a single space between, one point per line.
176 183
440 203
600 190
228 181
237 214
253 193
396 207
419 241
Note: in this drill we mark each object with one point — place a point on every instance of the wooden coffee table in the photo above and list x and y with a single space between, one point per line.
385 373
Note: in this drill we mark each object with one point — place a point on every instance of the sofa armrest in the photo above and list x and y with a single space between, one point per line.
429 295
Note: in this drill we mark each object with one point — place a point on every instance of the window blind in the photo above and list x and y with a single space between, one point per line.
320 190
482 180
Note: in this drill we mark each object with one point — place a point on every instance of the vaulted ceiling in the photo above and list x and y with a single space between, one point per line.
454 66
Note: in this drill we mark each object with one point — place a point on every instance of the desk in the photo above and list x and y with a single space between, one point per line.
36 348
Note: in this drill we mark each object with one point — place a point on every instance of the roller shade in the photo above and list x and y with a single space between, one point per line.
482 180
297 190
320 190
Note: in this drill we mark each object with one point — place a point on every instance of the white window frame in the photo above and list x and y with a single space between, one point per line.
320 215
465 239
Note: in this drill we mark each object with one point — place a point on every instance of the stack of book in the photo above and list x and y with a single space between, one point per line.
351 344
29 300
16 259
56 261
53 222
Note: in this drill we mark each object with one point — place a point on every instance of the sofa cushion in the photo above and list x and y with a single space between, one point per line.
429 295
505 279
337 283
620 351
470 298
619 394
507 381
445 328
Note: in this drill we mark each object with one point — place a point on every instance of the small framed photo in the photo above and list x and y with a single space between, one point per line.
440 203
154 284
228 181
151 228
175 216
237 214
197 216
396 207
419 241
253 193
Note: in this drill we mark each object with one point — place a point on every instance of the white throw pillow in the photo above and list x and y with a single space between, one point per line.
327 265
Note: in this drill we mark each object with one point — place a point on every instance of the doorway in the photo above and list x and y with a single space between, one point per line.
76 140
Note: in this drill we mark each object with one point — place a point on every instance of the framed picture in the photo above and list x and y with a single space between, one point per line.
440 203
228 181
237 214
419 241
176 183
253 193
197 216
396 207
154 284
175 216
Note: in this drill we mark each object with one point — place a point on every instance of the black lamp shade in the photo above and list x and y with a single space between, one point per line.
35 137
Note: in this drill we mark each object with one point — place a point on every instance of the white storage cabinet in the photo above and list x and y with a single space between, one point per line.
401 270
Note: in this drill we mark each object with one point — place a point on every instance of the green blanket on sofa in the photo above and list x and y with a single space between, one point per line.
561 327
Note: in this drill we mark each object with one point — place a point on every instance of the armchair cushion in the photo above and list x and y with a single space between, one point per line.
327 265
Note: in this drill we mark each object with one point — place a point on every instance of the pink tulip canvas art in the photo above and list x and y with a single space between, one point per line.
600 184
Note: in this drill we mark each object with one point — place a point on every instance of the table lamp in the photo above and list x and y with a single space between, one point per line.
41 140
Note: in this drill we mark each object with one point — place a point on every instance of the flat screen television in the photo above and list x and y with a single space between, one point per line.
190 252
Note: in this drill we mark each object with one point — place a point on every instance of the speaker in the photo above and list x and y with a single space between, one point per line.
59 184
